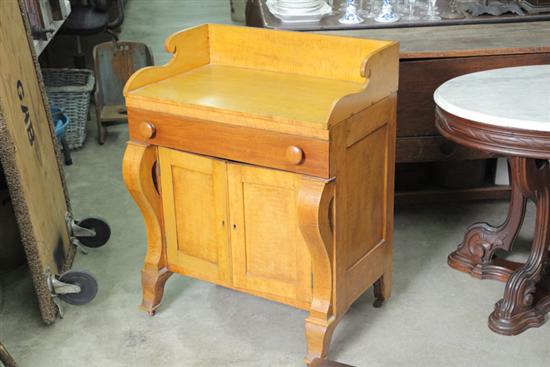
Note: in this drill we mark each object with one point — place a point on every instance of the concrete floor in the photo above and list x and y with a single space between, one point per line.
436 317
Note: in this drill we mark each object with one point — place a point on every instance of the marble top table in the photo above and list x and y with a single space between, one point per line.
506 111
516 97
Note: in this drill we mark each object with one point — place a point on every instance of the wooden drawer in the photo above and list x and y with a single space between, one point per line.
418 79
434 148
260 147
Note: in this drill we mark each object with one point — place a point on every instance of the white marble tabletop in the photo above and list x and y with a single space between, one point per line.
517 97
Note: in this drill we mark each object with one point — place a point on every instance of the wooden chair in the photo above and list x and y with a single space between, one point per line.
114 62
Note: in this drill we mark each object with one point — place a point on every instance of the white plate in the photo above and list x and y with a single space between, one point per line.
304 5
302 2
299 11
285 4
292 16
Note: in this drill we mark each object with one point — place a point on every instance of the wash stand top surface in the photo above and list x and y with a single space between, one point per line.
282 81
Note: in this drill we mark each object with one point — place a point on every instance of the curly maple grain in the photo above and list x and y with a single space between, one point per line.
315 213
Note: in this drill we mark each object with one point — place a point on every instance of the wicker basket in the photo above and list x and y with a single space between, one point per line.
70 90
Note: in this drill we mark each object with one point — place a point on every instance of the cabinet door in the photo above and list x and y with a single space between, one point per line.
270 257
194 199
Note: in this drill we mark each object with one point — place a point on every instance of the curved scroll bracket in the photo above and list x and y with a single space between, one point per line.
315 213
138 172
381 72
193 52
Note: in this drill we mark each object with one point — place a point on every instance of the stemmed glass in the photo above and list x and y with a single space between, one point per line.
351 15
387 15
367 8
432 13
401 6
453 12
411 15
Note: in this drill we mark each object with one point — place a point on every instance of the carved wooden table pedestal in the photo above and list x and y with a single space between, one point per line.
263 161
506 111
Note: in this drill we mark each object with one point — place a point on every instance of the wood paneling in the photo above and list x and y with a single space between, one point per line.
418 79
195 210
367 221
269 251
297 53
462 40
437 195
367 214
434 149
256 246
261 147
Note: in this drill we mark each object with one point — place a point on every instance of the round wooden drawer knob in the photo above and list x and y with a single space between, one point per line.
147 129
294 154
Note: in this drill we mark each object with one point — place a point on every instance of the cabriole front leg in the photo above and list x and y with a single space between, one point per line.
140 177
315 217
476 255
526 298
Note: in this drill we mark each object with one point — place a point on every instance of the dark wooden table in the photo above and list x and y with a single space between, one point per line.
429 57
506 112
258 15
430 167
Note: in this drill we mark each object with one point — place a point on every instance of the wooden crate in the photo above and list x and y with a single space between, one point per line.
29 157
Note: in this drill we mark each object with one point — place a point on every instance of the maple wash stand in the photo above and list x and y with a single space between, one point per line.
263 161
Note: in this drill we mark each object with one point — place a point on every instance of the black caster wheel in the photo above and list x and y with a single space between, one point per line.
102 232
87 284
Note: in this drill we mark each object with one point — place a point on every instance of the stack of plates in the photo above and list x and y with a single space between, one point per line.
298 10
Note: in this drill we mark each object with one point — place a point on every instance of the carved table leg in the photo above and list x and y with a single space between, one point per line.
140 177
314 212
526 300
476 254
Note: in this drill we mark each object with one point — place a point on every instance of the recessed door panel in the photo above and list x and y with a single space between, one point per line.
366 204
268 250
195 211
